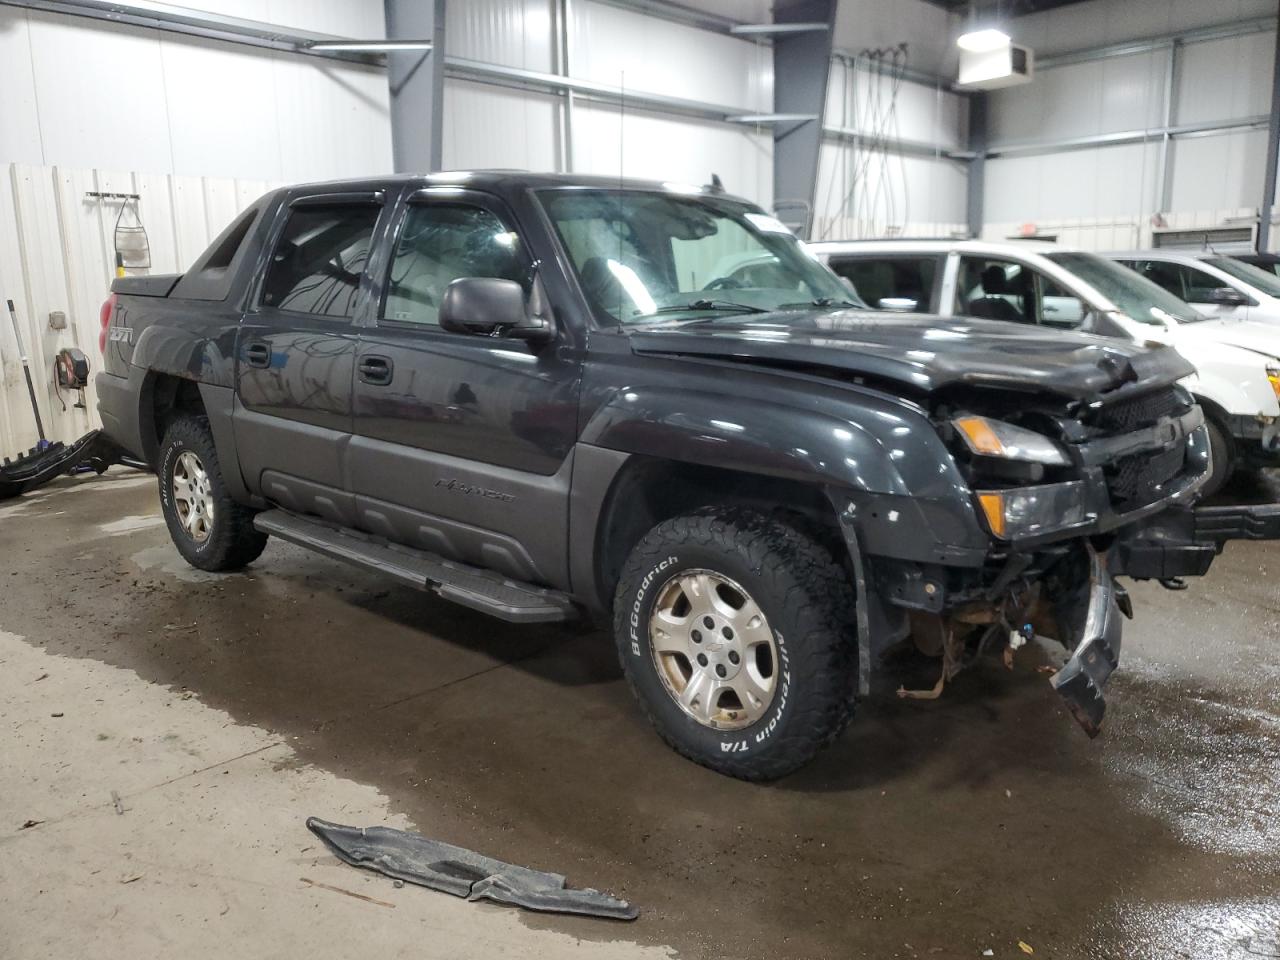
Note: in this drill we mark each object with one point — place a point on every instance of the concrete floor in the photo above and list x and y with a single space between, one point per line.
223 710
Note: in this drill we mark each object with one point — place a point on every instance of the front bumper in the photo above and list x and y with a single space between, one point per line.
1096 654
1257 439
1182 542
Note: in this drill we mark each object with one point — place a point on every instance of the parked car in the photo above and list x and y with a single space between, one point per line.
538 396
1266 262
1237 378
1219 286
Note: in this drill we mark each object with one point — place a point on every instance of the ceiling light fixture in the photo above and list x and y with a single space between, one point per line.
983 41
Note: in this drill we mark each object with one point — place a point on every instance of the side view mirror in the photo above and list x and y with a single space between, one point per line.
492 307
1227 297
897 304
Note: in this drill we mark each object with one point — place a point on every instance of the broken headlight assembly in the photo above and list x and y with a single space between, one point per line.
1007 467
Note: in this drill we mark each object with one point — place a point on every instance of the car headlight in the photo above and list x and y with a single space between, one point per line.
1017 512
995 438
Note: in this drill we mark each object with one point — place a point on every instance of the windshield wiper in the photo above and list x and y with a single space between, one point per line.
822 302
704 305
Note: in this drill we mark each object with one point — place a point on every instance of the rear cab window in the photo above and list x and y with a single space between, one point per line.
319 259
895 278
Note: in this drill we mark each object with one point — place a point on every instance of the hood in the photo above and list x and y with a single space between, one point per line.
926 353
1263 338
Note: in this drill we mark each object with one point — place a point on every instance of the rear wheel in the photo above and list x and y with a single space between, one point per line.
736 635
210 529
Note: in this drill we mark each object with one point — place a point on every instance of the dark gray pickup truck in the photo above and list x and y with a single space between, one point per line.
543 396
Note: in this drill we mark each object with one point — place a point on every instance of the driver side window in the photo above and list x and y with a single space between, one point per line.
443 242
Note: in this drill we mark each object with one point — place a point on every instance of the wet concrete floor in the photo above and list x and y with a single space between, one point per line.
939 829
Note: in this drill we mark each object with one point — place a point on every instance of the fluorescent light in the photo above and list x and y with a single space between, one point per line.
983 41
371 46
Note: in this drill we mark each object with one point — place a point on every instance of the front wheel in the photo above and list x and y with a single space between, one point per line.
736 634
210 529
1222 456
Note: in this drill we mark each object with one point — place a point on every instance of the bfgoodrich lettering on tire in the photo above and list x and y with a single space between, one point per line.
210 529
735 632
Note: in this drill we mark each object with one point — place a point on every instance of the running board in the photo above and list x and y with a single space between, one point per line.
470 586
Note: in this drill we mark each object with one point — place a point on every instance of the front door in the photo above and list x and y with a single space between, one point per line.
463 444
295 356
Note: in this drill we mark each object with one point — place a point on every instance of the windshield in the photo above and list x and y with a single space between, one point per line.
1261 280
641 256
1135 296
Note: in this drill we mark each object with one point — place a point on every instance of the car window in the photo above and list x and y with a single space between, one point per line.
1200 285
889 278
1170 276
319 259
1256 277
990 289
440 243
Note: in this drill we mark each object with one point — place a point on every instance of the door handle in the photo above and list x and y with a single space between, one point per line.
257 354
376 370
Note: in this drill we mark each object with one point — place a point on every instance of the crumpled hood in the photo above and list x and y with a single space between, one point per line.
927 353
1263 338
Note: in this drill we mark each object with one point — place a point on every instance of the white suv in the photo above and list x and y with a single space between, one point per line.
1217 285
1237 379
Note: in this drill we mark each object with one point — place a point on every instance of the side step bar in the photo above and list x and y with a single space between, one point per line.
470 586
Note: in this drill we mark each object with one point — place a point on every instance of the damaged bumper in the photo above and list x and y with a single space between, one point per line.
1081 680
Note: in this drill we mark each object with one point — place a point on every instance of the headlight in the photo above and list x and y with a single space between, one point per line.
995 438
1019 512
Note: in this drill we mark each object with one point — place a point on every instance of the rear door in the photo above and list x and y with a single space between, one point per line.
893 281
463 444
296 350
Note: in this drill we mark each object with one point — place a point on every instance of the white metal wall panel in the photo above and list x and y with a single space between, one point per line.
1223 79
490 126
1097 23
1121 93
56 254
1103 182
1216 172
925 114
626 48
84 93
514 33
664 148
860 197
19 122
926 28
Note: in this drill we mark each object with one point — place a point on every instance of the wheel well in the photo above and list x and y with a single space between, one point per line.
1215 412
647 492
165 397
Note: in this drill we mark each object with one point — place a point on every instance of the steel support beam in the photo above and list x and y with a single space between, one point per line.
801 67
1164 171
1222 31
1267 210
977 175
1207 129
417 86
200 23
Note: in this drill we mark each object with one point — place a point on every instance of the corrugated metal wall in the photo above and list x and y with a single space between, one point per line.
86 93
1104 197
622 48
57 254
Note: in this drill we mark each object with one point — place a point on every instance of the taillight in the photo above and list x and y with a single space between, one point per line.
104 315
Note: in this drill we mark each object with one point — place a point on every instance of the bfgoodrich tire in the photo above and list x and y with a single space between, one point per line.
736 634
210 529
